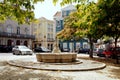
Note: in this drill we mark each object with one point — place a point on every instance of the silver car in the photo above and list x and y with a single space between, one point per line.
22 50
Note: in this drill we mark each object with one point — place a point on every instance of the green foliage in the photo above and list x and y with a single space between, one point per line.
20 10
69 28
110 9
63 2
83 22
88 21
94 20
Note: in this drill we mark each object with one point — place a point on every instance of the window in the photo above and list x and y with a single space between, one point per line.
18 30
51 27
35 28
48 35
67 13
48 26
9 29
85 45
51 36
58 23
26 30
64 45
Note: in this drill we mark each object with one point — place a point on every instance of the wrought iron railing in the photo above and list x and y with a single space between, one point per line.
14 35
50 39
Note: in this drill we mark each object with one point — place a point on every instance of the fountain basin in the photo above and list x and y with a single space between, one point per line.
56 57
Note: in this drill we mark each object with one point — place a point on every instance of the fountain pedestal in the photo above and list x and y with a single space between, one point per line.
56 56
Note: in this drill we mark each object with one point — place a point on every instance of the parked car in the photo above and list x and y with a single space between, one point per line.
41 49
95 50
112 52
83 50
100 53
65 50
21 50
116 50
4 48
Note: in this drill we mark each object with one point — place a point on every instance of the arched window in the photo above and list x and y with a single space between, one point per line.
25 43
9 42
18 42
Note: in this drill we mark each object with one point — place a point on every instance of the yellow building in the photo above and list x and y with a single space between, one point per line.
44 32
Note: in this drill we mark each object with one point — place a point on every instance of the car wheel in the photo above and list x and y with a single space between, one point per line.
13 53
20 53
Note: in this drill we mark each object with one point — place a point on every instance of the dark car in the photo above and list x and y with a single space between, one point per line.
41 49
100 52
83 50
4 48
65 50
112 52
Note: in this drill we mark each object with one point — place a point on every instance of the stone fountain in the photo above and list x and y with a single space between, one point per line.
57 61
56 56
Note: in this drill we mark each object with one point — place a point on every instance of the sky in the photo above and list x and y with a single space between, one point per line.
46 9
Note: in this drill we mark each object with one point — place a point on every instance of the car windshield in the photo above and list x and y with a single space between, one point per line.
23 47
45 49
94 49
100 50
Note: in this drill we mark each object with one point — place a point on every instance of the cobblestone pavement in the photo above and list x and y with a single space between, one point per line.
7 72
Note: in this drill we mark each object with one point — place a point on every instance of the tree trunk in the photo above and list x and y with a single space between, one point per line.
117 60
91 48
116 42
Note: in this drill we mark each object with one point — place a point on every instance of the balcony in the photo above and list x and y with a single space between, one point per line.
50 40
14 35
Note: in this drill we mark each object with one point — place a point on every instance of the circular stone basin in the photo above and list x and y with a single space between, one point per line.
56 57
81 65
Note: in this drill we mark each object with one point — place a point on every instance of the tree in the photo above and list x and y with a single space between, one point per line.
68 31
89 23
84 24
110 9
106 19
63 2
110 12
20 10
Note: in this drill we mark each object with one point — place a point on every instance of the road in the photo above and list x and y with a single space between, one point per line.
8 72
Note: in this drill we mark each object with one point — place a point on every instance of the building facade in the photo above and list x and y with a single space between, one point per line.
59 23
11 34
44 32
